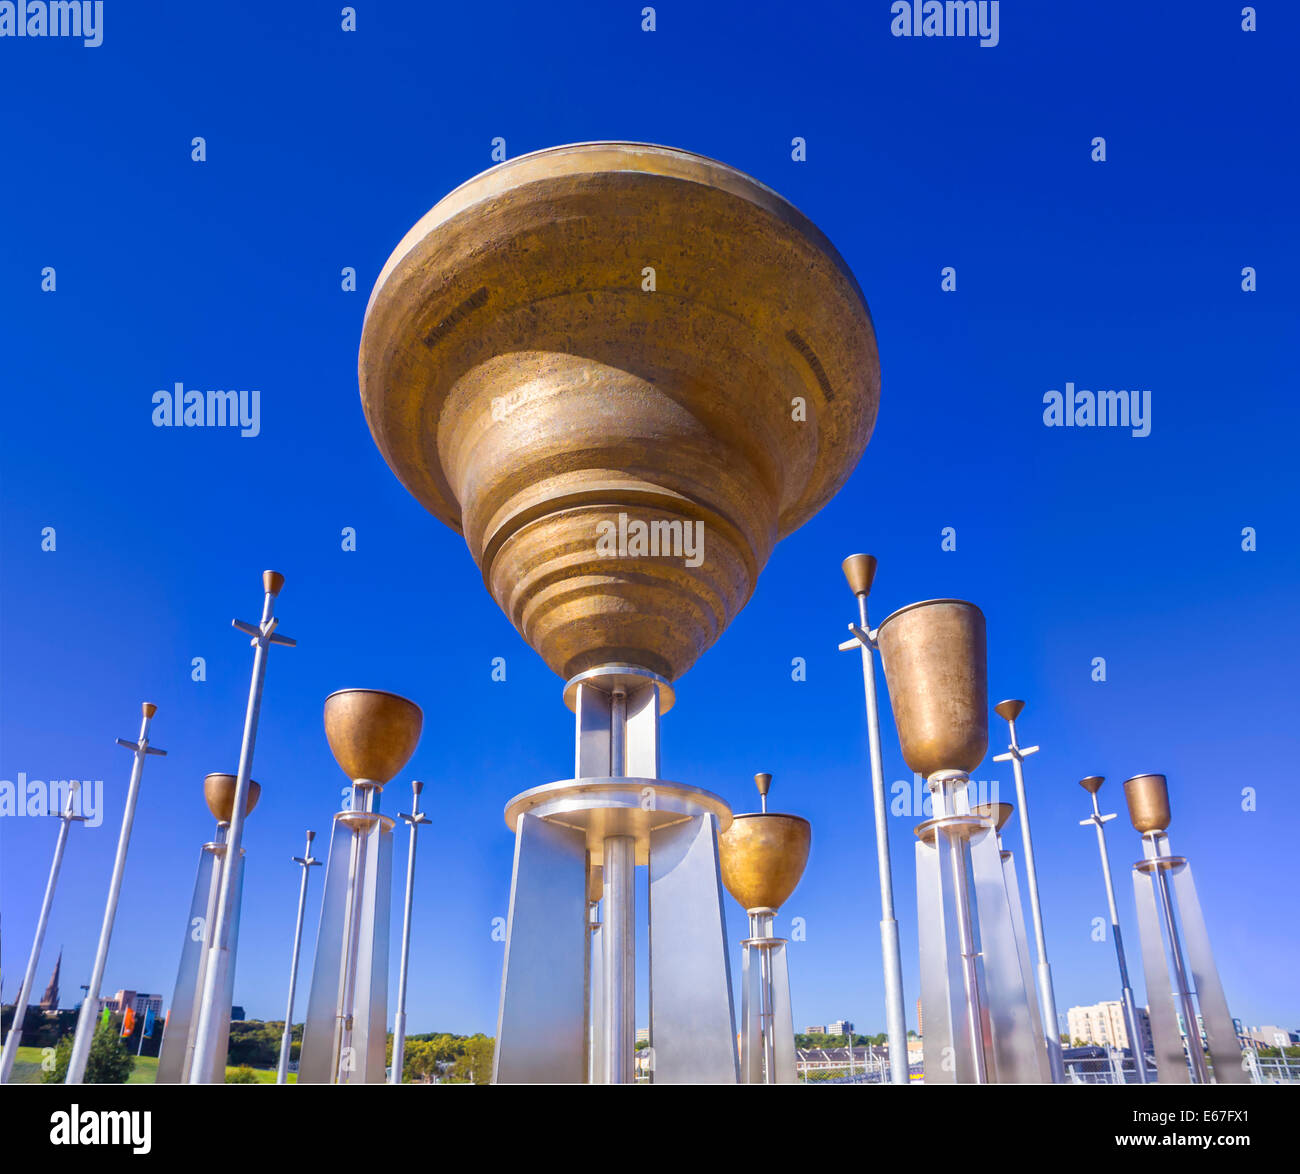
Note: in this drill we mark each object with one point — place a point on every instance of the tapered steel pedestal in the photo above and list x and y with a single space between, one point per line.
568 992
1016 754
980 1020
176 1059
1092 784
767 1053
1000 813
1161 882
345 1035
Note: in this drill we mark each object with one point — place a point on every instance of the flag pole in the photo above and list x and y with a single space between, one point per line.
85 1020
860 571
307 860
414 818
25 992
208 1029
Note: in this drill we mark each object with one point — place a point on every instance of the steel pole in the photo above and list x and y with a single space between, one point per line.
1046 994
415 818
619 939
1195 1053
29 977
343 1061
969 959
891 954
618 873
1130 1005
89 1005
760 926
286 1041
209 1018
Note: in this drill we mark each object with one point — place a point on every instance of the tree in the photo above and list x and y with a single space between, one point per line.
475 1064
423 1059
426 1058
108 1063
241 1075
254 1044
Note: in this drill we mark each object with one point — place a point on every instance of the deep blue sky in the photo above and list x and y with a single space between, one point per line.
324 147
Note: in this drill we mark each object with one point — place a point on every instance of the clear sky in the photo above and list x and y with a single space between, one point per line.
324 147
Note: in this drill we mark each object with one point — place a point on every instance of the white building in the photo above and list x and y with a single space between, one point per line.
1269 1035
1103 1024
137 1001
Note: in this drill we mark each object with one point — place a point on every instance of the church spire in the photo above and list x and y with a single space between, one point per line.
51 1000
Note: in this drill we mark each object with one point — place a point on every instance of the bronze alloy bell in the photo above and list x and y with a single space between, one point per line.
935 660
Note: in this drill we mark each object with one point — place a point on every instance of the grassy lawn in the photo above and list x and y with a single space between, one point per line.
27 1070
145 1070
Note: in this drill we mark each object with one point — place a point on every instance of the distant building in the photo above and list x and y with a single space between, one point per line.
819 1029
643 1035
138 1002
51 1000
1103 1024
840 1027
1269 1035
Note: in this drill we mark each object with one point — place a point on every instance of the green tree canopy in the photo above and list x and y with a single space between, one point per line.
108 1063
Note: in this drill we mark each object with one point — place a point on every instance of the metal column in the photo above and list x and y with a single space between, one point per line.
14 1039
90 1004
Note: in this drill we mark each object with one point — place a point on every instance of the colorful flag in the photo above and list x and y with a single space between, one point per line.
105 1018
148 1023
128 1022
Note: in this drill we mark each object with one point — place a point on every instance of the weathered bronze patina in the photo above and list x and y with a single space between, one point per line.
763 854
1148 802
371 733
219 793
935 659
607 336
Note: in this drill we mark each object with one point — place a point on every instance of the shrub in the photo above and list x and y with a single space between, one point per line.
108 1063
